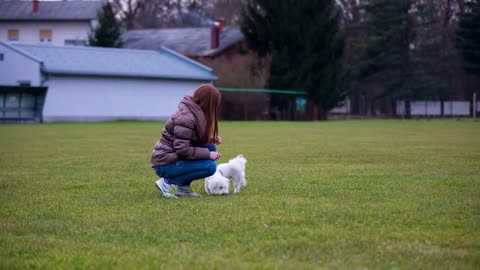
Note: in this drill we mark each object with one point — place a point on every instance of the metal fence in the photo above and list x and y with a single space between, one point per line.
264 104
450 108
268 104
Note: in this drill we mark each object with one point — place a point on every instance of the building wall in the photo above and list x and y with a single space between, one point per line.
16 67
100 99
235 70
29 32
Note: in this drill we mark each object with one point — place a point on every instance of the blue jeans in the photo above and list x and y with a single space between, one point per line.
184 172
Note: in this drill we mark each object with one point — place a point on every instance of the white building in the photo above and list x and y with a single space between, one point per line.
76 83
48 22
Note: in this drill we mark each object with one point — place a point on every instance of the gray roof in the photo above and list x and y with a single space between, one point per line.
95 61
187 41
49 10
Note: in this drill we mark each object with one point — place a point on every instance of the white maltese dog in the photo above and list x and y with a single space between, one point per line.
233 170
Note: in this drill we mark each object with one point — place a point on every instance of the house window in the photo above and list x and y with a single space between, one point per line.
24 83
1 56
76 42
13 35
45 36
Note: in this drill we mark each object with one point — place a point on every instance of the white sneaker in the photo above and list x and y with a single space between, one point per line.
168 190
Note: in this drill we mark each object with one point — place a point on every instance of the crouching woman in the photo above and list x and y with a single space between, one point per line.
186 151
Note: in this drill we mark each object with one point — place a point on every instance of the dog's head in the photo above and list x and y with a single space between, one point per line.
217 185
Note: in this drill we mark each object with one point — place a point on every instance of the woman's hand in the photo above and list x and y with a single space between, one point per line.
215 155
218 140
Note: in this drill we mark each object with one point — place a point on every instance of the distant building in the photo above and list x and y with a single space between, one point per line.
222 48
195 42
75 83
48 22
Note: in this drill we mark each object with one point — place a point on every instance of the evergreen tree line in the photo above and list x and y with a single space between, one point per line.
412 50
376 52
379 52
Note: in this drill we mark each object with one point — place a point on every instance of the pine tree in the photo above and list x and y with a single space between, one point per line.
468 37
386 55
107 32
397 54
306 46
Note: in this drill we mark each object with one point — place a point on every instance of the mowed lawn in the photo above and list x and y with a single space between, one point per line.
365 194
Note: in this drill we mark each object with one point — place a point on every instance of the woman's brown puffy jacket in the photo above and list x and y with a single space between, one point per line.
181 135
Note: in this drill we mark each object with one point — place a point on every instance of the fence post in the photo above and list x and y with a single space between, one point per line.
474 106
315 113
426 109
348 108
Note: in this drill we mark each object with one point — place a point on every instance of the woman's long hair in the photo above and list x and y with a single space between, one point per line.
208 98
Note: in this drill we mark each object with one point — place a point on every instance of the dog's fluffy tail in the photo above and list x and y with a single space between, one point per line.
238 163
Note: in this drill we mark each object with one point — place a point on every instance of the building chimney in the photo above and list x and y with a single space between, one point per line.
221 23
35 6
215 36
216 29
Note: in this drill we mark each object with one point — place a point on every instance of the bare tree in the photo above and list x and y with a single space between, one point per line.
160 14
461 5
127 10
139 14
228 10
351 10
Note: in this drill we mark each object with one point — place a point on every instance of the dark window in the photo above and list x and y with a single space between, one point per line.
13 34
21 104
76 42
46 36
24 83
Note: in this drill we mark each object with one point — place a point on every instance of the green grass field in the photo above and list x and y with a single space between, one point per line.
370 194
